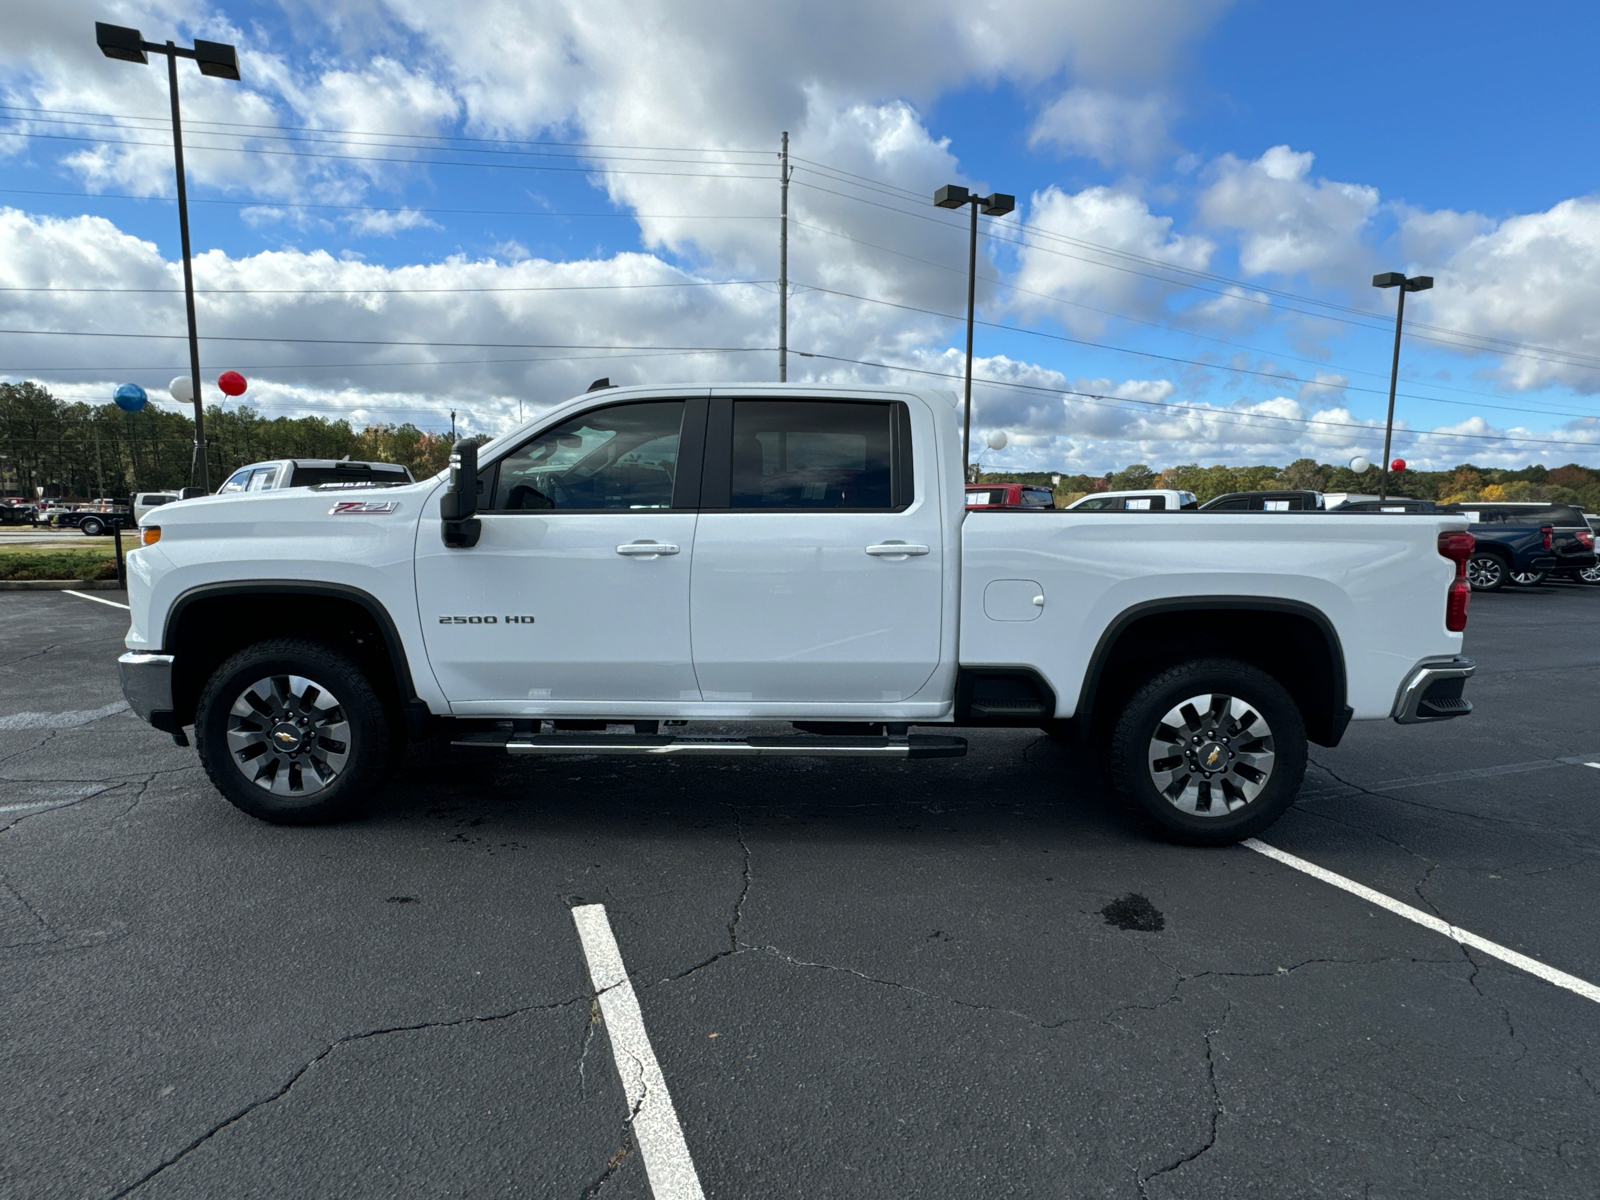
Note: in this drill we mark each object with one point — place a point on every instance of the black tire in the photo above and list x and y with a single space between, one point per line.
1487 572
91 527
357 741
1234 806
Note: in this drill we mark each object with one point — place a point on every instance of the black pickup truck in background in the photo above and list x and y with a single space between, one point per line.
1524 544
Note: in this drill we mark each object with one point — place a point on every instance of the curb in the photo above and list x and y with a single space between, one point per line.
58 585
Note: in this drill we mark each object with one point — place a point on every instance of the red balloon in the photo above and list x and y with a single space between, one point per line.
232 383
1398 464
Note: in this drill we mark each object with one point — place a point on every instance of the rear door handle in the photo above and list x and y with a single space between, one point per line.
647 549
896 549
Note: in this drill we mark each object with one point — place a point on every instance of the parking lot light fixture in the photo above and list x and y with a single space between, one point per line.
220 61
1417 283
998 205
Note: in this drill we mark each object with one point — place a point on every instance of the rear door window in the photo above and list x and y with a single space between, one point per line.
819 454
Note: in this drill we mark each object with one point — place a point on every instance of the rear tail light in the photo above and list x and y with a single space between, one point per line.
1457 546
1586 538
1549 532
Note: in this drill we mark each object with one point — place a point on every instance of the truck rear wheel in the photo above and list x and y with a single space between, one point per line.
1209 752
291 731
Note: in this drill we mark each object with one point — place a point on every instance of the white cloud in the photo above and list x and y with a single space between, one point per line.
1106 217
1108 128
1288 222
1532 279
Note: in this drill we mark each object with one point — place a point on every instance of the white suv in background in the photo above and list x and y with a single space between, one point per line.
309 472
1153 500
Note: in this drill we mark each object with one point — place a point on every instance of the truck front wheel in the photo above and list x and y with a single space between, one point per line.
1209 752
292 731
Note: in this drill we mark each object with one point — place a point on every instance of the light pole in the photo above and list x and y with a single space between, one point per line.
221 61
997 205
1418 283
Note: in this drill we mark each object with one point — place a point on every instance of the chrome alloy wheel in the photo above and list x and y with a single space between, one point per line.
288 735
1211 755
1527 578
1590 574
1484 571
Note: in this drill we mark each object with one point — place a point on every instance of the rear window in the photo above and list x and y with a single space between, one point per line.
349 473
987 496
1037 498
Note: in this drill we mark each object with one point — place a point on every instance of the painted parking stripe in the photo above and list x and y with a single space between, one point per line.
1595 765
96 599
5 808
1455 933
655 1123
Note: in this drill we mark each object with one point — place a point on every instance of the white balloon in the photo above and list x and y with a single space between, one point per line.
1359 465
182 389
997 440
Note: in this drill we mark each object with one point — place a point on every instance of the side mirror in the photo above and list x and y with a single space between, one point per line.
458 507
191 493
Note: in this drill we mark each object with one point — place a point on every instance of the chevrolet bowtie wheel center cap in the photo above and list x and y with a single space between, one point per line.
288 735
1211 755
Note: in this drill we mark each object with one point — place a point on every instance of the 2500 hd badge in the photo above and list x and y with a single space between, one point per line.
490 620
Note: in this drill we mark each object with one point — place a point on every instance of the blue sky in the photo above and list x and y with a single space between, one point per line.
1204 190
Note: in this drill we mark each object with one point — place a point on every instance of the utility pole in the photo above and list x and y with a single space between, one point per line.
783 266
99 465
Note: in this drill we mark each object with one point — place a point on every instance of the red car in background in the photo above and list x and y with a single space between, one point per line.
1010 495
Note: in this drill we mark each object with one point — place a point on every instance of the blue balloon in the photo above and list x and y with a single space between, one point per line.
130 397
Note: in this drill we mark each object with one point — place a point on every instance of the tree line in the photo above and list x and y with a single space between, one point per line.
1570 484
77 450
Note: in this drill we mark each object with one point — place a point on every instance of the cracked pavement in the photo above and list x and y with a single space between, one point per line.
859 980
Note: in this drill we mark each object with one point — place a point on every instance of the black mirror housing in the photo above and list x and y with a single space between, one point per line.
458 507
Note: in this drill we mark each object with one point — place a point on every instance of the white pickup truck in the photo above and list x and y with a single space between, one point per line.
797 555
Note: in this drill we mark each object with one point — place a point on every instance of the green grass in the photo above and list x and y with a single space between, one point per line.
28 562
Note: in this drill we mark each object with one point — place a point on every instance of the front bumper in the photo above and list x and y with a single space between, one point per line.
147 684
1432 692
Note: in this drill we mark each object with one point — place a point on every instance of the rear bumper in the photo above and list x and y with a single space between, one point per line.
147 684
1432 692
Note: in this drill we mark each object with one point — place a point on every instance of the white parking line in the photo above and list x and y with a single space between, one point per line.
96 599
1595 765
5 808
1428 921
655 1124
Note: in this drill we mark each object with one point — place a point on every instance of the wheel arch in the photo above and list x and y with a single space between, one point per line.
209 622
1290 640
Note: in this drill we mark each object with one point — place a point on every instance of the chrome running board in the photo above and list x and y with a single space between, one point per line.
915 745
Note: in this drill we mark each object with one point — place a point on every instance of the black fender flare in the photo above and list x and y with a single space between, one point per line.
418 715
1341 712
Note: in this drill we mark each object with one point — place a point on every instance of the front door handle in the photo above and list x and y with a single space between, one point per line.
896 549
647 549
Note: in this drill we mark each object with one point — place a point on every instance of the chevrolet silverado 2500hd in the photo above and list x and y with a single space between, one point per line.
789 554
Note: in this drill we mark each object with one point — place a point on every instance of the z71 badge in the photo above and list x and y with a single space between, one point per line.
353 508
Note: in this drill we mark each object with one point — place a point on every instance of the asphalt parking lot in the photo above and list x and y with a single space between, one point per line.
858 979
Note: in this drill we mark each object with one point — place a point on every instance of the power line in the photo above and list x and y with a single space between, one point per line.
163 118
1191 362
372 158
379 291
383 342
1224 415
1320 364
404 208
